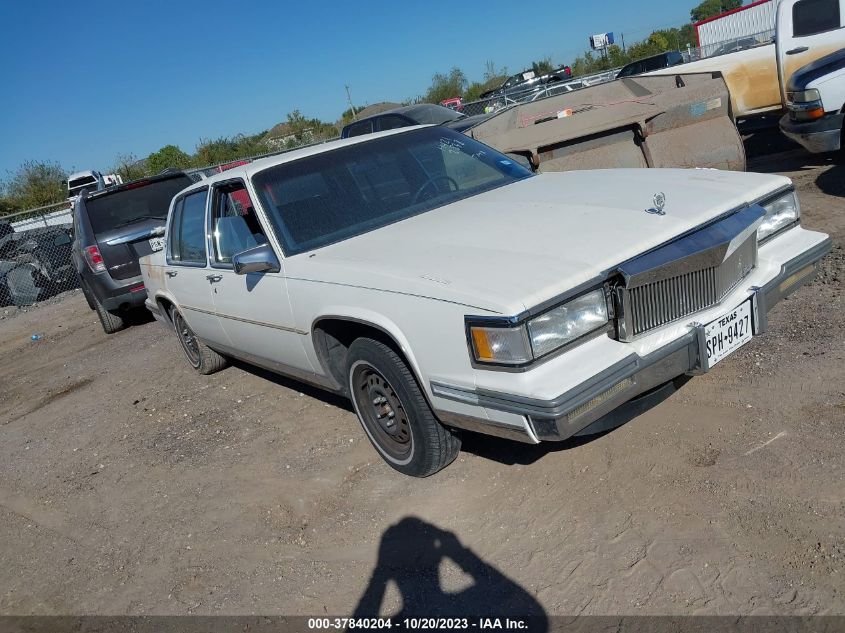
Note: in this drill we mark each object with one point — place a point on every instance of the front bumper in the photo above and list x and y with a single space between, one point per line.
821 135
536 419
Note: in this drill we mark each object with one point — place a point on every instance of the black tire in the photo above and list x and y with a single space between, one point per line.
111 321
410 438
201 357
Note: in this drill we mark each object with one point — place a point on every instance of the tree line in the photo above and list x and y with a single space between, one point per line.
39 183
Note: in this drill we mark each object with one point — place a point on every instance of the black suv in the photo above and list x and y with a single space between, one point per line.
112 229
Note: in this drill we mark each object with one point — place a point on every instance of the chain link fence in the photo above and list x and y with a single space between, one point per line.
729 46
35 262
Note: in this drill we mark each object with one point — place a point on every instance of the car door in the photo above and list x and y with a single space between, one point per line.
187 271
254 309
806 31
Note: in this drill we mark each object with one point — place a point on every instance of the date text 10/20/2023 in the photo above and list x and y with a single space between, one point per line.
414 624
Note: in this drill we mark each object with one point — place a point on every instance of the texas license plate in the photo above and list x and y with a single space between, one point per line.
728 333
156 243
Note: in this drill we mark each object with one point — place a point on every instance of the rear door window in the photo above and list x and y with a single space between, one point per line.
392 121
188 240
360 128
815 16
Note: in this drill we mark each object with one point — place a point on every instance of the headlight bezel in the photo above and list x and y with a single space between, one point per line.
768 203
520 323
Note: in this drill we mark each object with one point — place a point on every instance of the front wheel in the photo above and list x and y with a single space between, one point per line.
394 412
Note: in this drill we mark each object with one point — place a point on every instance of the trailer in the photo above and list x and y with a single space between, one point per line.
682 120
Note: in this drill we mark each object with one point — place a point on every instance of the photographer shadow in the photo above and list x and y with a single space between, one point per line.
410 555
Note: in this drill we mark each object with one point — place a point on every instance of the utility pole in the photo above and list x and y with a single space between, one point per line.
349 99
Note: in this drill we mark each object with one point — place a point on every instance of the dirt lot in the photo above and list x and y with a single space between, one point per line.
130 485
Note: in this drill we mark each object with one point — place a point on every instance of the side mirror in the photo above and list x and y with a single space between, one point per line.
258 259
62 240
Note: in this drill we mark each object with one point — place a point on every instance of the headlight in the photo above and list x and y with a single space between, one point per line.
519 344
805 105
780 213
804 96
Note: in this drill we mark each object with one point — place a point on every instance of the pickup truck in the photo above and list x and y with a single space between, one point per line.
441 286
815 103
757 77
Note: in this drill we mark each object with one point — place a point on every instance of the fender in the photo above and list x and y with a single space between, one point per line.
356 314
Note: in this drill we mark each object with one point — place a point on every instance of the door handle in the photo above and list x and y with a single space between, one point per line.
172 273
214 278
800 49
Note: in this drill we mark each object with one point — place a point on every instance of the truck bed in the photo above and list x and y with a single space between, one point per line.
751 75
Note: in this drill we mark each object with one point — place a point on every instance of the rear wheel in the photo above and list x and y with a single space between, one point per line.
394 412
111 321
202 358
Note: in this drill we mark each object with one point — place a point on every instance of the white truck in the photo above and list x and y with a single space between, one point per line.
815 103
91 180
757 77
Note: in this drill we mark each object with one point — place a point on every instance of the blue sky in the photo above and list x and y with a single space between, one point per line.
83 82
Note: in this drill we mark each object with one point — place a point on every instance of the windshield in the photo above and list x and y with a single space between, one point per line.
140 201
335 195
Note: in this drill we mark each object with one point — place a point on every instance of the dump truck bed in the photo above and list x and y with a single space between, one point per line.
682 120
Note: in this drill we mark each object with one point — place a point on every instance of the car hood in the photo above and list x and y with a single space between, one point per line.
509 249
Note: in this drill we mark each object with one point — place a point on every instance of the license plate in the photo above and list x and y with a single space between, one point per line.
156 243
728 333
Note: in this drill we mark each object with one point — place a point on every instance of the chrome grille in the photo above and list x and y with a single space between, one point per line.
654 304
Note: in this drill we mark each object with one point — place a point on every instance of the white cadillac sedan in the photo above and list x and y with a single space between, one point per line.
442 286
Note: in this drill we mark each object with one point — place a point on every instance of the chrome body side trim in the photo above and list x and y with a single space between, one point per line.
284 328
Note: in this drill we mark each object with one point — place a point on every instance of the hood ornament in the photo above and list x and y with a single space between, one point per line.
659 202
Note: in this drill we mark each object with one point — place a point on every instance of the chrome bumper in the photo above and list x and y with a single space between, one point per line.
578 408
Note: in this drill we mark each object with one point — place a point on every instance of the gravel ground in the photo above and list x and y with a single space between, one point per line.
130 485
